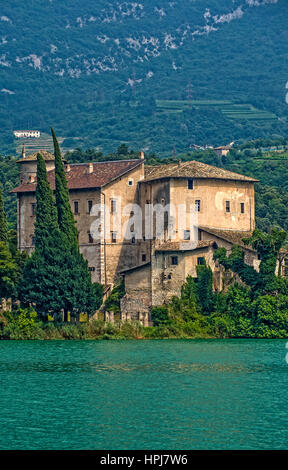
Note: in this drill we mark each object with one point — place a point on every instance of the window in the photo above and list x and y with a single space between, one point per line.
227 205
90 238
33 209
174 260
114 237
200 261
76 207
133 240
190 183
130 182
197 205
33 240
169 276
113 205
143 258
186 234
92 269
90 205
242 207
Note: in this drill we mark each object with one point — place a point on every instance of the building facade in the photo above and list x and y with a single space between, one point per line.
116 206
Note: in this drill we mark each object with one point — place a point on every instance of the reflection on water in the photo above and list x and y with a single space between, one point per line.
140 395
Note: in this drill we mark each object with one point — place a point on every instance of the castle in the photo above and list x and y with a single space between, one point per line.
116 243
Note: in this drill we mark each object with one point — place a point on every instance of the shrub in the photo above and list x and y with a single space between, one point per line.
22 325
160 316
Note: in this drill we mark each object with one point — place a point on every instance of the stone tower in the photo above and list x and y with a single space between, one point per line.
28 165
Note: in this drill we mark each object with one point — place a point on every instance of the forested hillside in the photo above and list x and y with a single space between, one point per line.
152 74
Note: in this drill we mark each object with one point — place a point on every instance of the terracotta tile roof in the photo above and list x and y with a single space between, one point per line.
232 236
184 246
192 169
79 177
46 155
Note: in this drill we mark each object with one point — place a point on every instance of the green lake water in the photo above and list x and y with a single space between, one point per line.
193 394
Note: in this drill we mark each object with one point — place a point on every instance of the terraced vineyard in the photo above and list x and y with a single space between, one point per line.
32 145
229 109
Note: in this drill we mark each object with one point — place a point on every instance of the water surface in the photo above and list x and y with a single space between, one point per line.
193 394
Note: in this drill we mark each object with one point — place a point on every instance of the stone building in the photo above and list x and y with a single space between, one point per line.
21 134
153 263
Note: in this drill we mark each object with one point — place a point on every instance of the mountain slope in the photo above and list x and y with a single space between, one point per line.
98 70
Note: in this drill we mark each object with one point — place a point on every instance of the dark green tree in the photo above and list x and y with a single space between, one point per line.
9 270
205 288
3 221
44 271
79 294
268 246
66 220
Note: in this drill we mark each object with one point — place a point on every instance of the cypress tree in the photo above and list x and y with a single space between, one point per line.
44 270
46 213
79 294
65 217
3 221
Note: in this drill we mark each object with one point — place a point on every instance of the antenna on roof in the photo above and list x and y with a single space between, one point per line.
174 152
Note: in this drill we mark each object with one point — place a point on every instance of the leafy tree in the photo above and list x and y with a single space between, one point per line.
160 316
9 272
205 288
112 303
3 221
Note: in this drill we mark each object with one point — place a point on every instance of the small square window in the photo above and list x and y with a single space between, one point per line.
174 260
201 261
227 205
130 182
187 235
92 269
242 207
190 183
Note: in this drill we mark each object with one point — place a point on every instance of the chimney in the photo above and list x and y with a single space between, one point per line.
90 168
68 168
23 152
179 163
142 155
